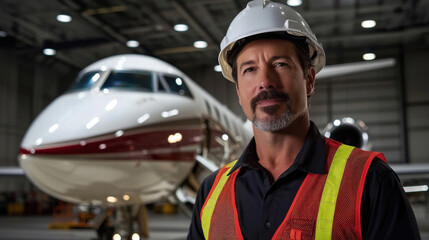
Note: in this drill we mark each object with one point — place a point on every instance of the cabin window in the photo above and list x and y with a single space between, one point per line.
227 123
217 114
85 81
177 85
133 80
209 110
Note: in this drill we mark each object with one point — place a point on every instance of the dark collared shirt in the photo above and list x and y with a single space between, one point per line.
262 206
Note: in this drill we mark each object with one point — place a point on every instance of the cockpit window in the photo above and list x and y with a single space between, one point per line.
177 85
135 80
85 81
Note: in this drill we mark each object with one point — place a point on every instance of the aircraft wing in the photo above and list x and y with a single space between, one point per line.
355 67
11 171
412 168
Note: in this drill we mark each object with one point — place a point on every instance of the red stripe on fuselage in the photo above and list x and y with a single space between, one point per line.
144 145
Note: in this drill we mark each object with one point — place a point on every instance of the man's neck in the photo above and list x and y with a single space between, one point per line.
277 150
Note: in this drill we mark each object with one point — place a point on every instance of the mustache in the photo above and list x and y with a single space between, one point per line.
266 95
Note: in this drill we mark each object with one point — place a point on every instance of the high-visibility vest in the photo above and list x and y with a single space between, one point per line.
326 206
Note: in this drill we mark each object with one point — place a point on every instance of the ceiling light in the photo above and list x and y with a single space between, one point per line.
181 27
218 68
135 236
3 33
133 43
116 236
368 56
64 18
368 24
294 3
111 199
49 51
200 44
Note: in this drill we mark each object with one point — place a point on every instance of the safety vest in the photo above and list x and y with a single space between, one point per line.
326 206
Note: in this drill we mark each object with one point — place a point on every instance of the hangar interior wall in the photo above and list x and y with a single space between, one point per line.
26 87
417 88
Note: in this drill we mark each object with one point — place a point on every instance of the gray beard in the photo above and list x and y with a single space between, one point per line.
273 124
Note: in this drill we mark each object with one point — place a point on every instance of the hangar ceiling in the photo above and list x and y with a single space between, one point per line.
101 28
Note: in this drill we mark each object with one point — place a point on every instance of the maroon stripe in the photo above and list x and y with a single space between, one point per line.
144 141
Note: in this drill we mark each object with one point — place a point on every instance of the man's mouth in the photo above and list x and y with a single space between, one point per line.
269 98
269 102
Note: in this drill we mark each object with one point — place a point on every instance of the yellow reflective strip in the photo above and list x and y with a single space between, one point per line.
211 202
325 217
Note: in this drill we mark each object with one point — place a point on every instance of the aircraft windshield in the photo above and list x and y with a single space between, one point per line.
177 85
85 81
135 80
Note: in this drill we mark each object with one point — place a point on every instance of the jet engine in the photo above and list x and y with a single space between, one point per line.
348 131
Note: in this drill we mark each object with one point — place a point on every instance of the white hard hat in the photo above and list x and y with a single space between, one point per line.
263 16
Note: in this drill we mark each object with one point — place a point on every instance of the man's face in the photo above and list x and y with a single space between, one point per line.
271 85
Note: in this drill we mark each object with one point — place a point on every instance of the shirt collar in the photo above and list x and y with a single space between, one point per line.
311 157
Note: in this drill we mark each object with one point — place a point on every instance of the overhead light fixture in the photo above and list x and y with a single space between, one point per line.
294 3
200 44
368 24
218 68
49 51
135 236
368 56
116 236
3 33
133 43
126 197
64 18
181 27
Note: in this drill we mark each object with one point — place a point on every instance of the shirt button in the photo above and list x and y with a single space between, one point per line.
267 224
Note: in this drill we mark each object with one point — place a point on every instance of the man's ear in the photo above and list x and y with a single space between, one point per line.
311 77
238 93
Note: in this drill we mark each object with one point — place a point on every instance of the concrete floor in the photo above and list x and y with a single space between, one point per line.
162 227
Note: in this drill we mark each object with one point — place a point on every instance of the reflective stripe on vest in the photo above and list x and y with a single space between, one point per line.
325 217
209 205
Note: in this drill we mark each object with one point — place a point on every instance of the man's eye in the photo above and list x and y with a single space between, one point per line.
251 69
279 64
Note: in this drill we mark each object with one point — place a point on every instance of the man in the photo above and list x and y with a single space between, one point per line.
291 182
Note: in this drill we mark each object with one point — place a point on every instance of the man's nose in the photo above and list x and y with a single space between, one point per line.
267 79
